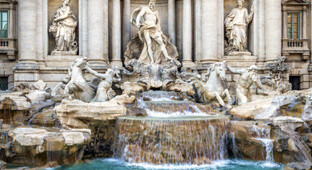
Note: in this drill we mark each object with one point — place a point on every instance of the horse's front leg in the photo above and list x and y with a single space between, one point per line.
226 93
220 100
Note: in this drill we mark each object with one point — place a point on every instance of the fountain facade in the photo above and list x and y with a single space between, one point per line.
154 111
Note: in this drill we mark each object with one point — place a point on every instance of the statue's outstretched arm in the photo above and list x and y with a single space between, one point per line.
235 71
96 74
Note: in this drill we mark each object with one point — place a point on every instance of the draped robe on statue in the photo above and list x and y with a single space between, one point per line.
152 25
236 24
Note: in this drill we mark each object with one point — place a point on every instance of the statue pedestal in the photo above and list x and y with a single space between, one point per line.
241 61
188 64
60 60
62 53
237 53
116 64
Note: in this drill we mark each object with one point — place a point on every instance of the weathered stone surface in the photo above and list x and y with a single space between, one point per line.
288 123
289 147
46 118
263 108
18 107
3 165
38 146
245 133
78 114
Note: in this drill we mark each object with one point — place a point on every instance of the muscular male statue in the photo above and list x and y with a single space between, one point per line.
147 20
247 78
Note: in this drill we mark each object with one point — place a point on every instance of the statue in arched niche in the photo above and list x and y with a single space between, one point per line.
236 24
63 29
151 45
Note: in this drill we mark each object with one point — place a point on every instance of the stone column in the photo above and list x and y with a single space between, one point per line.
209 31
116 34
27 30
126 24
171 21
273 29
284 23
187 34
27 69
261 34
40 32
95 32
198 28
304 25
11 22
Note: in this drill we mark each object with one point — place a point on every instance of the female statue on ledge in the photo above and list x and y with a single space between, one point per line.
63 29
236 24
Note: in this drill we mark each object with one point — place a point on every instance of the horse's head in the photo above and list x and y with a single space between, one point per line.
220 69
80 62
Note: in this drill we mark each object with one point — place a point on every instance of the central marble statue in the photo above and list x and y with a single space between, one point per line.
150 46
151 60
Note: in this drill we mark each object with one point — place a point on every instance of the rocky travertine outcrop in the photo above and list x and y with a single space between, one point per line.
246 142
290 148
98 117
37 146
18 107
78 114
290 141
270 107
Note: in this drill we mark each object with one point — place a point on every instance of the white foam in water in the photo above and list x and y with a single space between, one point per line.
215 164
153 113
263 135
268 144
173 114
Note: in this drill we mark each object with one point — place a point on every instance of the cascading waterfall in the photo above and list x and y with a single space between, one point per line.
160 104
175 140
263 134
174 132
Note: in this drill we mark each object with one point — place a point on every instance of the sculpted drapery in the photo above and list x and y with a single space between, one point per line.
236 24
146 18
63 28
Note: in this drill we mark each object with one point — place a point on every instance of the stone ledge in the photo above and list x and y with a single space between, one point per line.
78 114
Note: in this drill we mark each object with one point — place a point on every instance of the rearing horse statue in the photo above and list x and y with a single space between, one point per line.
213 89
76 84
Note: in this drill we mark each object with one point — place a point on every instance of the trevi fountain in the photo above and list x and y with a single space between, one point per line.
155 112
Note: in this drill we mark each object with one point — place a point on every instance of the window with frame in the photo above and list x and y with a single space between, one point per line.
293 25
3 24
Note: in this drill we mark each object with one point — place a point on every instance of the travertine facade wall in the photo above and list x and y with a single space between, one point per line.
195 27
